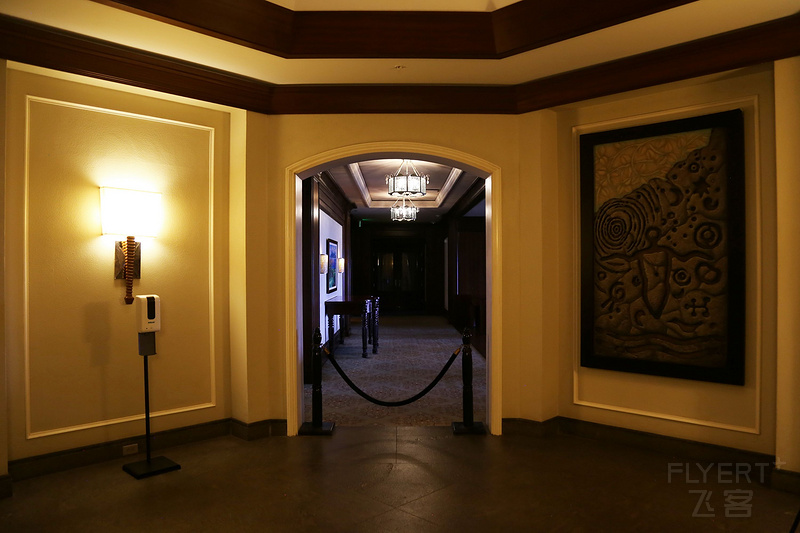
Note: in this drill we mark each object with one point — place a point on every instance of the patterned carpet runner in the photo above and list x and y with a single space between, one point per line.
413 349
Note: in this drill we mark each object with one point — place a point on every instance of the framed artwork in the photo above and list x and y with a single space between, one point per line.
333 261
663 249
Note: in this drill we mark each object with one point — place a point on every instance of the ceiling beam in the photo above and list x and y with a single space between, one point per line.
746 47
455 173
358 178
516 28
57 49
45 46
531 24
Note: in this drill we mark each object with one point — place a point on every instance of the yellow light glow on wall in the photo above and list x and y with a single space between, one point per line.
127 212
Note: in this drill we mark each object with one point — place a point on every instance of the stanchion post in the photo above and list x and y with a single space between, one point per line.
376 312
468 426
151 466
317 426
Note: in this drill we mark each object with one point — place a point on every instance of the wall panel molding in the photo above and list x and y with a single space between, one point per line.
208 399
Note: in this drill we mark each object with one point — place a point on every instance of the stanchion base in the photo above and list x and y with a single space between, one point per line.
477 428
308 428
153 467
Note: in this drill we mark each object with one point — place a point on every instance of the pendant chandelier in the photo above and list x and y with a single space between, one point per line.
407 181
404 211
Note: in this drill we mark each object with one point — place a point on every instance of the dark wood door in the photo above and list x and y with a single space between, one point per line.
398 275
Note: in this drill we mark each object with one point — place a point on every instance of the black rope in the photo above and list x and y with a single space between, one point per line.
796 523
414 398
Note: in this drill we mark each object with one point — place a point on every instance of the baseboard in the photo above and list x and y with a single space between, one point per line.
63 460
698 451
785 480
530 428
5 486
258 430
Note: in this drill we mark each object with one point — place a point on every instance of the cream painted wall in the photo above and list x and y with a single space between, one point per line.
531 391
3 376
265 293
238 267
741 417
537 269
787 133
74 374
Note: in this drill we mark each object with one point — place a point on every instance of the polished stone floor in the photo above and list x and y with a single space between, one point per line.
415 479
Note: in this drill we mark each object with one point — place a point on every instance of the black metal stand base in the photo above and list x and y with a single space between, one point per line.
308 428
153 467
477 428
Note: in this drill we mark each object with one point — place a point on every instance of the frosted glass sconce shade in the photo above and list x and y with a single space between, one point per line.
127 212
323 263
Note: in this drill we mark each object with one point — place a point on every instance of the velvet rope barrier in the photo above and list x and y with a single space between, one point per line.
399 403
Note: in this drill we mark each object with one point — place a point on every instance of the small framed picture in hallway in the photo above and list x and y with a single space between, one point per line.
333 260
663 248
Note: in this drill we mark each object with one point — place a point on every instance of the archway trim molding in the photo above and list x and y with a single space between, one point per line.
304 168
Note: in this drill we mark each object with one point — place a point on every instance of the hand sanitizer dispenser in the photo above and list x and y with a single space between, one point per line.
148 311
148 317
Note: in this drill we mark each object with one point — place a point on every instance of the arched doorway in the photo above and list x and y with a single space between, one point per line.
293 260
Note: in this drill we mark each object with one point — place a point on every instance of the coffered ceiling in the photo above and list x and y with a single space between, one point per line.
463 42
364 183
395 5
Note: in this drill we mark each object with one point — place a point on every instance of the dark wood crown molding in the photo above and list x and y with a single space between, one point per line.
57 49
49 47
516 28
746 47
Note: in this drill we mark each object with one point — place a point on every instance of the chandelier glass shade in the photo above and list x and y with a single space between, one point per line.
404 211
407 181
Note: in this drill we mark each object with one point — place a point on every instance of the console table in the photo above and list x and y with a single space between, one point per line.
345 308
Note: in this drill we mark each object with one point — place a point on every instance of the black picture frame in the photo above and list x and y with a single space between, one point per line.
331 278
663 257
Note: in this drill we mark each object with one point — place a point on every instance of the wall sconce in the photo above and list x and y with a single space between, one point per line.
341 265
129 213
323 263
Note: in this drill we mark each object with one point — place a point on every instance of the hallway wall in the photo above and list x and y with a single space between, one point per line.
75 377
76 381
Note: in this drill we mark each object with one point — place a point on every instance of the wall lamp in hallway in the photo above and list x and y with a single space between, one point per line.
407 181
129 213
323 263
341 265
